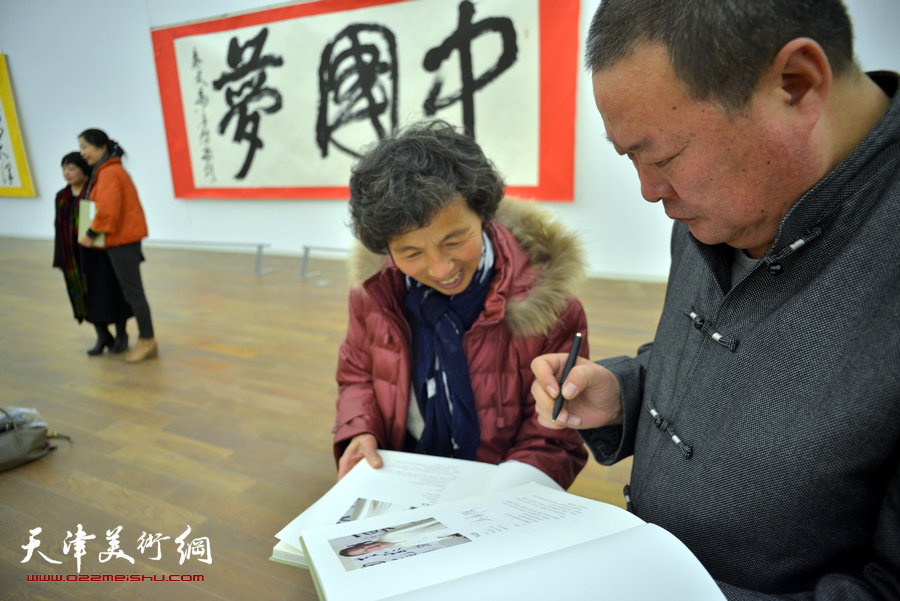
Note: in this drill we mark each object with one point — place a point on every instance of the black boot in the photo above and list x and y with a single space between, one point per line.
104 340
121 342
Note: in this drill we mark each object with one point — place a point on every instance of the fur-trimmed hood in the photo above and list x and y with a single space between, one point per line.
555 269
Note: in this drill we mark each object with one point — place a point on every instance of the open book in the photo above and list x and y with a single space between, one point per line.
406 480
437 528
526 542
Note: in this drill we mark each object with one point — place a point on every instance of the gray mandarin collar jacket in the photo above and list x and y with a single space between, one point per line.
764 419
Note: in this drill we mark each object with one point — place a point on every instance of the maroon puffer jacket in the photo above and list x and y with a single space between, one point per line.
528 312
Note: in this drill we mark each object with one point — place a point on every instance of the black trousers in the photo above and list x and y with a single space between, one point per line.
126 263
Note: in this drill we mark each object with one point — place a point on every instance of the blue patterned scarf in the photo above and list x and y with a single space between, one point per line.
440 367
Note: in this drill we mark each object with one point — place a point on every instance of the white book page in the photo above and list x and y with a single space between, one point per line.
472 535
405 480
645 563
408 480
514 473
283 551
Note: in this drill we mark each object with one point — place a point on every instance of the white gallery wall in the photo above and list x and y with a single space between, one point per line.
90 64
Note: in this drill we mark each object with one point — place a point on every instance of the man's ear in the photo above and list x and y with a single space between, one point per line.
803 74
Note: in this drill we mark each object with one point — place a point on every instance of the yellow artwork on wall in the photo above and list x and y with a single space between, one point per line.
15 179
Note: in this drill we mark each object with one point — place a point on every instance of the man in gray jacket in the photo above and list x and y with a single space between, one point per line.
764 419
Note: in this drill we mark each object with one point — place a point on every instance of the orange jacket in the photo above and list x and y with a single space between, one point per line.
119 214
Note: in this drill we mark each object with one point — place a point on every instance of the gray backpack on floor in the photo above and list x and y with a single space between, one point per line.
24 437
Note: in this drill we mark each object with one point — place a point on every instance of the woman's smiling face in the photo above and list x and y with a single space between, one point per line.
90 153
444 254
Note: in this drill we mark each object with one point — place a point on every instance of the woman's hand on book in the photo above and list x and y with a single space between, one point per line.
361 445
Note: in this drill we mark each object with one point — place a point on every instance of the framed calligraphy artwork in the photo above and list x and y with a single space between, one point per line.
279 103
15 179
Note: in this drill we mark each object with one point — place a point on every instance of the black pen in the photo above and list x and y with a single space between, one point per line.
570 363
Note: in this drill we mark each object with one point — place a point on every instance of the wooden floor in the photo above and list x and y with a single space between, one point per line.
228 432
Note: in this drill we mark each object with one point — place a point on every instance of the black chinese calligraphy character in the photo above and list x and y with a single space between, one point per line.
461 40
6 164
202 101
248 76
357 83
196 64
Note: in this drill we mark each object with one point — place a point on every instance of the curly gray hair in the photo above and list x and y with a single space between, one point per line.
405 179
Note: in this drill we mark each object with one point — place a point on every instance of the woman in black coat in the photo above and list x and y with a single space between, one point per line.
94 291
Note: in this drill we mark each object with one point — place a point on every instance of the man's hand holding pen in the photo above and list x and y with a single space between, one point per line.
591 393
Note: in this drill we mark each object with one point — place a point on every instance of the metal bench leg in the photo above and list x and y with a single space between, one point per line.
304 265
257 268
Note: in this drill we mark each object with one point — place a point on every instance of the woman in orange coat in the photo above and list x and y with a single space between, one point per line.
120 217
